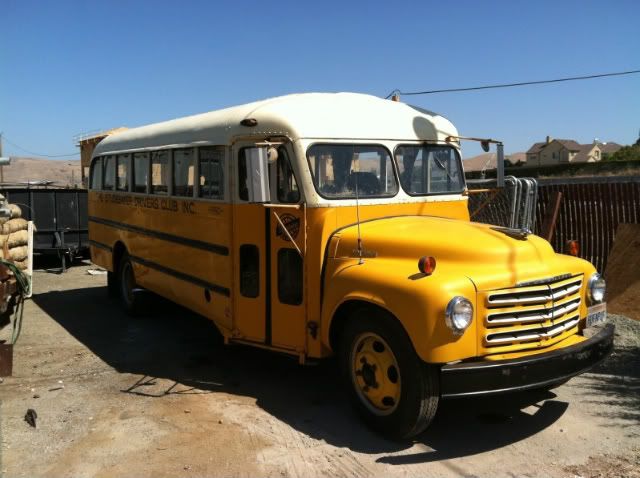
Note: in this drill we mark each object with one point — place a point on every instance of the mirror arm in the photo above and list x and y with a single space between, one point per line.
500 165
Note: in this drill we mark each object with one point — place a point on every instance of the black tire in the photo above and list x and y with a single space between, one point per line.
419 385
126 284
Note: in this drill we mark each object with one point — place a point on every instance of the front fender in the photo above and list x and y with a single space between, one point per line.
417 301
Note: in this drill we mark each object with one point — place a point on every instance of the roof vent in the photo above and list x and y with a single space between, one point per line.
249 122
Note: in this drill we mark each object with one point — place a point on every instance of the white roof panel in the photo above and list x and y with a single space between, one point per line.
305 115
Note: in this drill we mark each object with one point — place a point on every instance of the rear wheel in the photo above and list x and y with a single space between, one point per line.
391 388
127 286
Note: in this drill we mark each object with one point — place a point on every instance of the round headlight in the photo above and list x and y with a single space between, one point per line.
596 288
459 314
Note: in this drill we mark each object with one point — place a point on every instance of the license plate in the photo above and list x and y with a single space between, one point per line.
596 314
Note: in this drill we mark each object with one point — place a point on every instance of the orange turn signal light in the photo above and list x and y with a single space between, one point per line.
573 248
427 264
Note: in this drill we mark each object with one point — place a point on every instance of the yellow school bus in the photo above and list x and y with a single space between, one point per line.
321 224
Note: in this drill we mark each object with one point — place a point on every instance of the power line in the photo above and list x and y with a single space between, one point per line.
34 153
509 85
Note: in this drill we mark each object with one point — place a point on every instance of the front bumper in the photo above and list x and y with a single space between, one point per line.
533 371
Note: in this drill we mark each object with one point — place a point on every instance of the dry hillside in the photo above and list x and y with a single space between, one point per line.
61 172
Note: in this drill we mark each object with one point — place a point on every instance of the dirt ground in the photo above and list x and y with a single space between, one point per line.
162 396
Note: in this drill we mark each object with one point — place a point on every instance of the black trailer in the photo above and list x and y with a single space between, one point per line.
60 217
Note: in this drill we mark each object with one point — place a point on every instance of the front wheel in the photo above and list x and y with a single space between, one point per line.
391 388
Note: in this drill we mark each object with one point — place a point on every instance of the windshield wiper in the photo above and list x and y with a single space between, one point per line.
520 234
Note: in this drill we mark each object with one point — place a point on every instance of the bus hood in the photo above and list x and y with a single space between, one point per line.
490 258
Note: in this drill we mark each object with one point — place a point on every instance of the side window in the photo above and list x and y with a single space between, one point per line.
249 270
211 173
243 190
287 186
122 170
184 172
96 174
109 172
160 172
140 172
289 277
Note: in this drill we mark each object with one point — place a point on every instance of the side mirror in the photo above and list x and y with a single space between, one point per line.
258 175
485 146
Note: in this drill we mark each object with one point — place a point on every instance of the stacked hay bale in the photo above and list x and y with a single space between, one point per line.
14 238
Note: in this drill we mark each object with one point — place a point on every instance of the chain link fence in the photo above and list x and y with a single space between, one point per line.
512 206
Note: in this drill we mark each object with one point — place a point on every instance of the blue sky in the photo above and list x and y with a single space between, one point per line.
70 67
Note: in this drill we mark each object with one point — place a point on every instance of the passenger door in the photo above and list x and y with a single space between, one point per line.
269 242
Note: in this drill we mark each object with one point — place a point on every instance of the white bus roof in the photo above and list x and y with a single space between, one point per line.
306 115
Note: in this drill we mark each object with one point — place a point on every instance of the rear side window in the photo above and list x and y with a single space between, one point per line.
183 172
109 171
140 172
122 172
160 172
96 174
211 173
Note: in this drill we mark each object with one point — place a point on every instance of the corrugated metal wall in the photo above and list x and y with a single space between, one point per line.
590 211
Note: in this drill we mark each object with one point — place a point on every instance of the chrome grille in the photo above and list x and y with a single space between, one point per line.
532 315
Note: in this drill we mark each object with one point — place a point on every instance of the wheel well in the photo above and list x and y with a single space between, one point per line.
344 312
118 251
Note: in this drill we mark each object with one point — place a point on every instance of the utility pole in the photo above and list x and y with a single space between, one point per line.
3 161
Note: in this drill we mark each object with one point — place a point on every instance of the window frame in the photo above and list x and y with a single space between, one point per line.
282 290
113 170
169 184
223 167
293 173
94 161
134 169
127 172
423 144
243 262
196 176
351 198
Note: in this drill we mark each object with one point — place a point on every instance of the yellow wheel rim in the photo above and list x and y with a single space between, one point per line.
375 373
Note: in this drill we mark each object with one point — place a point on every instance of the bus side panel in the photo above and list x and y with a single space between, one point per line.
250 298
101 257
217 308
179 247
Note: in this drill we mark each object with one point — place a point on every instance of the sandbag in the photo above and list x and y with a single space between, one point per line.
13 225
18 238
15 211
22 265
3 239
18 253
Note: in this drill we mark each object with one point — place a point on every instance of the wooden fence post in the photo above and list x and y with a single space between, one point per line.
550 218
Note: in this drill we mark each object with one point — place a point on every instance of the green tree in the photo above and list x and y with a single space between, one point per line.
626 153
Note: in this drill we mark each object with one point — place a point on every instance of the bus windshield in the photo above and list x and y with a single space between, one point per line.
339 170
429 169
